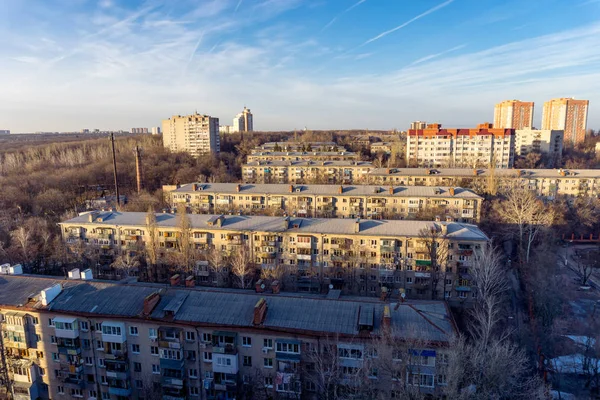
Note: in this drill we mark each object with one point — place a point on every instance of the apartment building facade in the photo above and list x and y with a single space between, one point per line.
474 148
195 134
568 115
547 183
303 156
324 172
544 141
178 343
327 201
244 121
309 253
513 114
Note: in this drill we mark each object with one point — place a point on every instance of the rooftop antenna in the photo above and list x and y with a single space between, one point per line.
112 143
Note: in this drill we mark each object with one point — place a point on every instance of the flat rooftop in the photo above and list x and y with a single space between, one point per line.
499 172
320 226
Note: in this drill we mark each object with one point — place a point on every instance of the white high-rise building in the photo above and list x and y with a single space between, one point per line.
196 134
243 121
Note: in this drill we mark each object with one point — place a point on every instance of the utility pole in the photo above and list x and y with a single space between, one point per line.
112 143
138 167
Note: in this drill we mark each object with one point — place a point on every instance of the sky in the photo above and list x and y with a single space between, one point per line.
66 65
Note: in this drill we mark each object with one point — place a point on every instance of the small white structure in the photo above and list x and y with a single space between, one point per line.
74 274
4 268
16 270
49 294
87 275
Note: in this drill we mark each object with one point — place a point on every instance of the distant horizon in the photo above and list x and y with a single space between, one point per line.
359 63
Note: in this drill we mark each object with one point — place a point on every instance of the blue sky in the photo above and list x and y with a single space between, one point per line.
365 64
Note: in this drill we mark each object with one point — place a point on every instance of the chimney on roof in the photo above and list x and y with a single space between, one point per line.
260 286
260 312
175 280
238 187
437 218
220 220
391 190
92 216
357 225
475 172
449 218
388 171
150 302
190 281
275 287
291 188
87 275
340 189
451 190
286 223
194 186
386 321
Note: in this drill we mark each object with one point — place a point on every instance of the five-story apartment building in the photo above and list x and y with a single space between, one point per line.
325 172
327 201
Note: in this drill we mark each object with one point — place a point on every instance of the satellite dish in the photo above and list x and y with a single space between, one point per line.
330 286
262 286
403 295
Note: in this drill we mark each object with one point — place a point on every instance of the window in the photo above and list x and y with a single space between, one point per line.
268 343
76 393
223 361
193 373
42 371
98 326
139 384
268 381
100 345
60 389
170 354
156 369
190 336
310 386
105 396
268 362
111 330
137 367
194 391
206 337
85 343
88 361
154 350
283 347
442 380
191 355
133 330
93 393
135 348
55 357
84 326
247 361
101 363
53 339
207 356
35 320
152 333
51 323
246 341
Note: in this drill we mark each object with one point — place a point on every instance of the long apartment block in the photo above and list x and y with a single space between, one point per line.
298 146
327 201
356 256
303 156
435 146
549 183
73 339
324 172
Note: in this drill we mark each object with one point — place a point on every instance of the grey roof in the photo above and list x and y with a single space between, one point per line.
295 144
327 190
309 314
288 163
500 172
343 226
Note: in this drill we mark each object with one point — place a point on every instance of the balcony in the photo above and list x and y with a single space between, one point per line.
108 236
305 257
70 347
118 391
388 249
118 355
267 254
166 363
173 382
423 263
304 245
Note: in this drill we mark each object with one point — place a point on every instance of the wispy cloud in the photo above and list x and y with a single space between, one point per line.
436 55
332 21
239 3
410 21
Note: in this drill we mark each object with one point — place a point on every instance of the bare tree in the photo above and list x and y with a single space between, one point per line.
152 244
23 237
434 242
218 262
126 263
184 245
240 266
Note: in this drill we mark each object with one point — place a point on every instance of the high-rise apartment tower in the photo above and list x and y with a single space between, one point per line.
513 114
243 121
196 134
569 115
